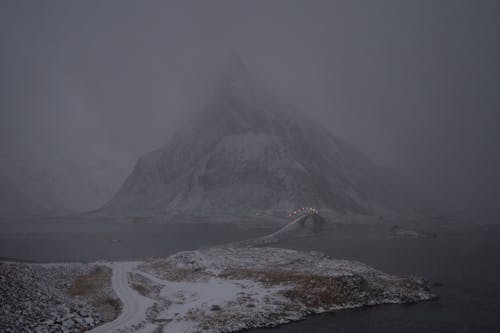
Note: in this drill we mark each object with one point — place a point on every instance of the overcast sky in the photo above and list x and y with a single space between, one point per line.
413 84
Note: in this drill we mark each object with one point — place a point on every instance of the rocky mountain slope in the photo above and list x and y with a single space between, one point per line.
248 153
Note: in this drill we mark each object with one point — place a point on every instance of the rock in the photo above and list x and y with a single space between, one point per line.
88 320
68 323
215 307
33 298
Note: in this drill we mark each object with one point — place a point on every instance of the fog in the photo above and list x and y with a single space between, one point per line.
413 84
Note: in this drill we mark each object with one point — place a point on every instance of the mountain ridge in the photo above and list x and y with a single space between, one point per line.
246 153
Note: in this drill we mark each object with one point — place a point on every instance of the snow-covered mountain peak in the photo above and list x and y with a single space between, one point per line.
236 83
247 152
235 66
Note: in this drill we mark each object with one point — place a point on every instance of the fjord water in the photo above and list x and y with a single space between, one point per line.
460 264
80 239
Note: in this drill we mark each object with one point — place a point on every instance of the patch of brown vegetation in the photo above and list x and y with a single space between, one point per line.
144 286
172 273
140 289
88 284
95 287
313 291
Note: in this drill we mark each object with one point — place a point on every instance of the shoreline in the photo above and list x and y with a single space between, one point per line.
231 289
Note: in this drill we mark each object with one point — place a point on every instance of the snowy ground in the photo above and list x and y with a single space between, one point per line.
134 306
69 297
220 289
230 289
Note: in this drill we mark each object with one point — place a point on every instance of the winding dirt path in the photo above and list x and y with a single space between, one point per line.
134 306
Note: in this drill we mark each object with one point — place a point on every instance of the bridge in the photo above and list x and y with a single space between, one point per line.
304 218
303 211
299 218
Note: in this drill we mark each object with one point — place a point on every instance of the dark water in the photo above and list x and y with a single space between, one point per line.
463 263
83 241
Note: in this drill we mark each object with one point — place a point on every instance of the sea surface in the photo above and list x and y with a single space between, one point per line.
462 264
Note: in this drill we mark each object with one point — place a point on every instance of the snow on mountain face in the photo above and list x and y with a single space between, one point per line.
247 152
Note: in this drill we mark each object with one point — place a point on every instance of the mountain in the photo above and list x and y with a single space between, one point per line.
60 181
59 153
246 152
14 203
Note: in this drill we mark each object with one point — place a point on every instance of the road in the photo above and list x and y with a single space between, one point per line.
271 238
298 220
133 305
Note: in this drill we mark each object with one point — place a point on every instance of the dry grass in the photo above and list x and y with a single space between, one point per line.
95 287
144 286
89 284
311 290
141 289
173 273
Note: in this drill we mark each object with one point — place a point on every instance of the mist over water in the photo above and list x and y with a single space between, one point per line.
217 146
412 84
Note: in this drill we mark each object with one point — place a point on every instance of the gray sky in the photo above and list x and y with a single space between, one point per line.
414 84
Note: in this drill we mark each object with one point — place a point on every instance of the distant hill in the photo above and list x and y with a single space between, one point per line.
58 182
14 203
